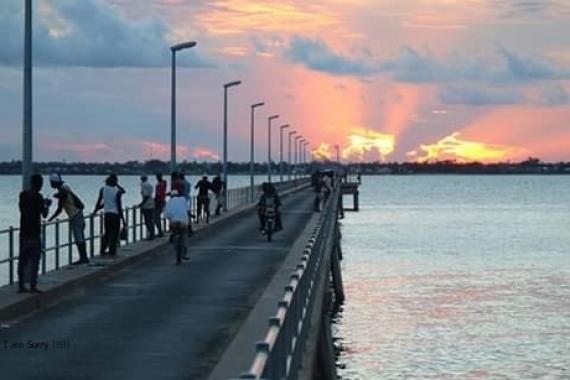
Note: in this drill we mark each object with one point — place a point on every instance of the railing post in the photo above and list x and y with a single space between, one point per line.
11 254
91 235
134 215
57 244
128 222
69 243
44 230
141 224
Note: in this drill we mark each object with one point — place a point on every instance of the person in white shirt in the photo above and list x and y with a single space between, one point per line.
147 206
110 201
176 211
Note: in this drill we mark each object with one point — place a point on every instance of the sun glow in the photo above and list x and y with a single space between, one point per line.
368 145
452 147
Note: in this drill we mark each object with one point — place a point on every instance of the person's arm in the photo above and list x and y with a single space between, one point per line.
121 189
44 206
99 203
60 199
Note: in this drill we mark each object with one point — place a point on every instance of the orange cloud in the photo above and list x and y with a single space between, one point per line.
205 154
323 152
368 145
162 150
240 16
452 147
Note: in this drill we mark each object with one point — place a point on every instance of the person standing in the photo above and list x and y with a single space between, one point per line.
317 183
186 190
218 190
73 206
159 202
110 201
33 207
147 206
203 186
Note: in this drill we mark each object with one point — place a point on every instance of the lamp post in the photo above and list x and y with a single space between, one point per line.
281 129
337 148
301 155
174 49
225 187
292 133
297 138
27 106
307 155
269 119
251 149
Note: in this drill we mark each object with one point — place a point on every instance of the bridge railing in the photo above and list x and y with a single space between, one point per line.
279 355
57 241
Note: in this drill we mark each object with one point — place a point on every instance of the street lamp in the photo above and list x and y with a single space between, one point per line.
225 187
283 127
174 49
307 154
251 149
290 163
269 119
297 138
301 155
337 148
27 109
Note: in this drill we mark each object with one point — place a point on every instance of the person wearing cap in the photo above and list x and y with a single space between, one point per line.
67 200
147 206
176 211
110 201
186 190
203 201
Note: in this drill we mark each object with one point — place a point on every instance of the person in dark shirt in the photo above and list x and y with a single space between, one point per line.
218 190
33 207
203 204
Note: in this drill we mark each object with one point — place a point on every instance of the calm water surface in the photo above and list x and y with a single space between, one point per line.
457 277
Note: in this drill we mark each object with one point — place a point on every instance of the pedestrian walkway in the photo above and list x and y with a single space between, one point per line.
156 320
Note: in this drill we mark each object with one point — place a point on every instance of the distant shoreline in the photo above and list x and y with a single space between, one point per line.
531 166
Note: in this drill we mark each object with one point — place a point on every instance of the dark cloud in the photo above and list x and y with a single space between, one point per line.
479 96
316 55
89 33
414 66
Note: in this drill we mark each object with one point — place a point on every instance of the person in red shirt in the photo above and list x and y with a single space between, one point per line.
159 202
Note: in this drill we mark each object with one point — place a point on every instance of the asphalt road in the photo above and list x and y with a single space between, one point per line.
156 320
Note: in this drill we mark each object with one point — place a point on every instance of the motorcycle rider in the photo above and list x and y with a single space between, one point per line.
268 195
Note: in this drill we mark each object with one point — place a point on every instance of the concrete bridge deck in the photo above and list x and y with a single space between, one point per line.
155 320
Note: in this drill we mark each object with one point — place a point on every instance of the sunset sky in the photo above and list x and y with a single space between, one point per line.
391 80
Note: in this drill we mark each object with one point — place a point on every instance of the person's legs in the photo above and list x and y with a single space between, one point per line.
148 221
199 206
157 219
107 229
115 226
23 259
77 225
35 256
316 202
207 206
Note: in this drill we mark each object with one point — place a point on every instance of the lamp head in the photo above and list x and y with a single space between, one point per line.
285 126
257 105
183 45
273 117
231 84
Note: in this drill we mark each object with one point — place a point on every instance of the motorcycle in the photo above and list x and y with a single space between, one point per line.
269 217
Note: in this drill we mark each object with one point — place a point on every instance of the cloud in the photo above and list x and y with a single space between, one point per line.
479 96
452 147
316 55
555 95
414 66
368 145
89 33
201 153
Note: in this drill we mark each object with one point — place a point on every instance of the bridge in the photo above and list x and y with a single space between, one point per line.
240 308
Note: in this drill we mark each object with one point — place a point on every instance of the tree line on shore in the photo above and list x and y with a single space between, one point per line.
529 166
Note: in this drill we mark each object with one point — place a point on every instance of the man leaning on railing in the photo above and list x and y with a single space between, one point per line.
70 202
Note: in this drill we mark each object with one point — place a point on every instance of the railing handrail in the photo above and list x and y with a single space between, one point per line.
278 355
239 196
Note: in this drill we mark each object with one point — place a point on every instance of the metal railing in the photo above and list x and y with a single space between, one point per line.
280 354
57 235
